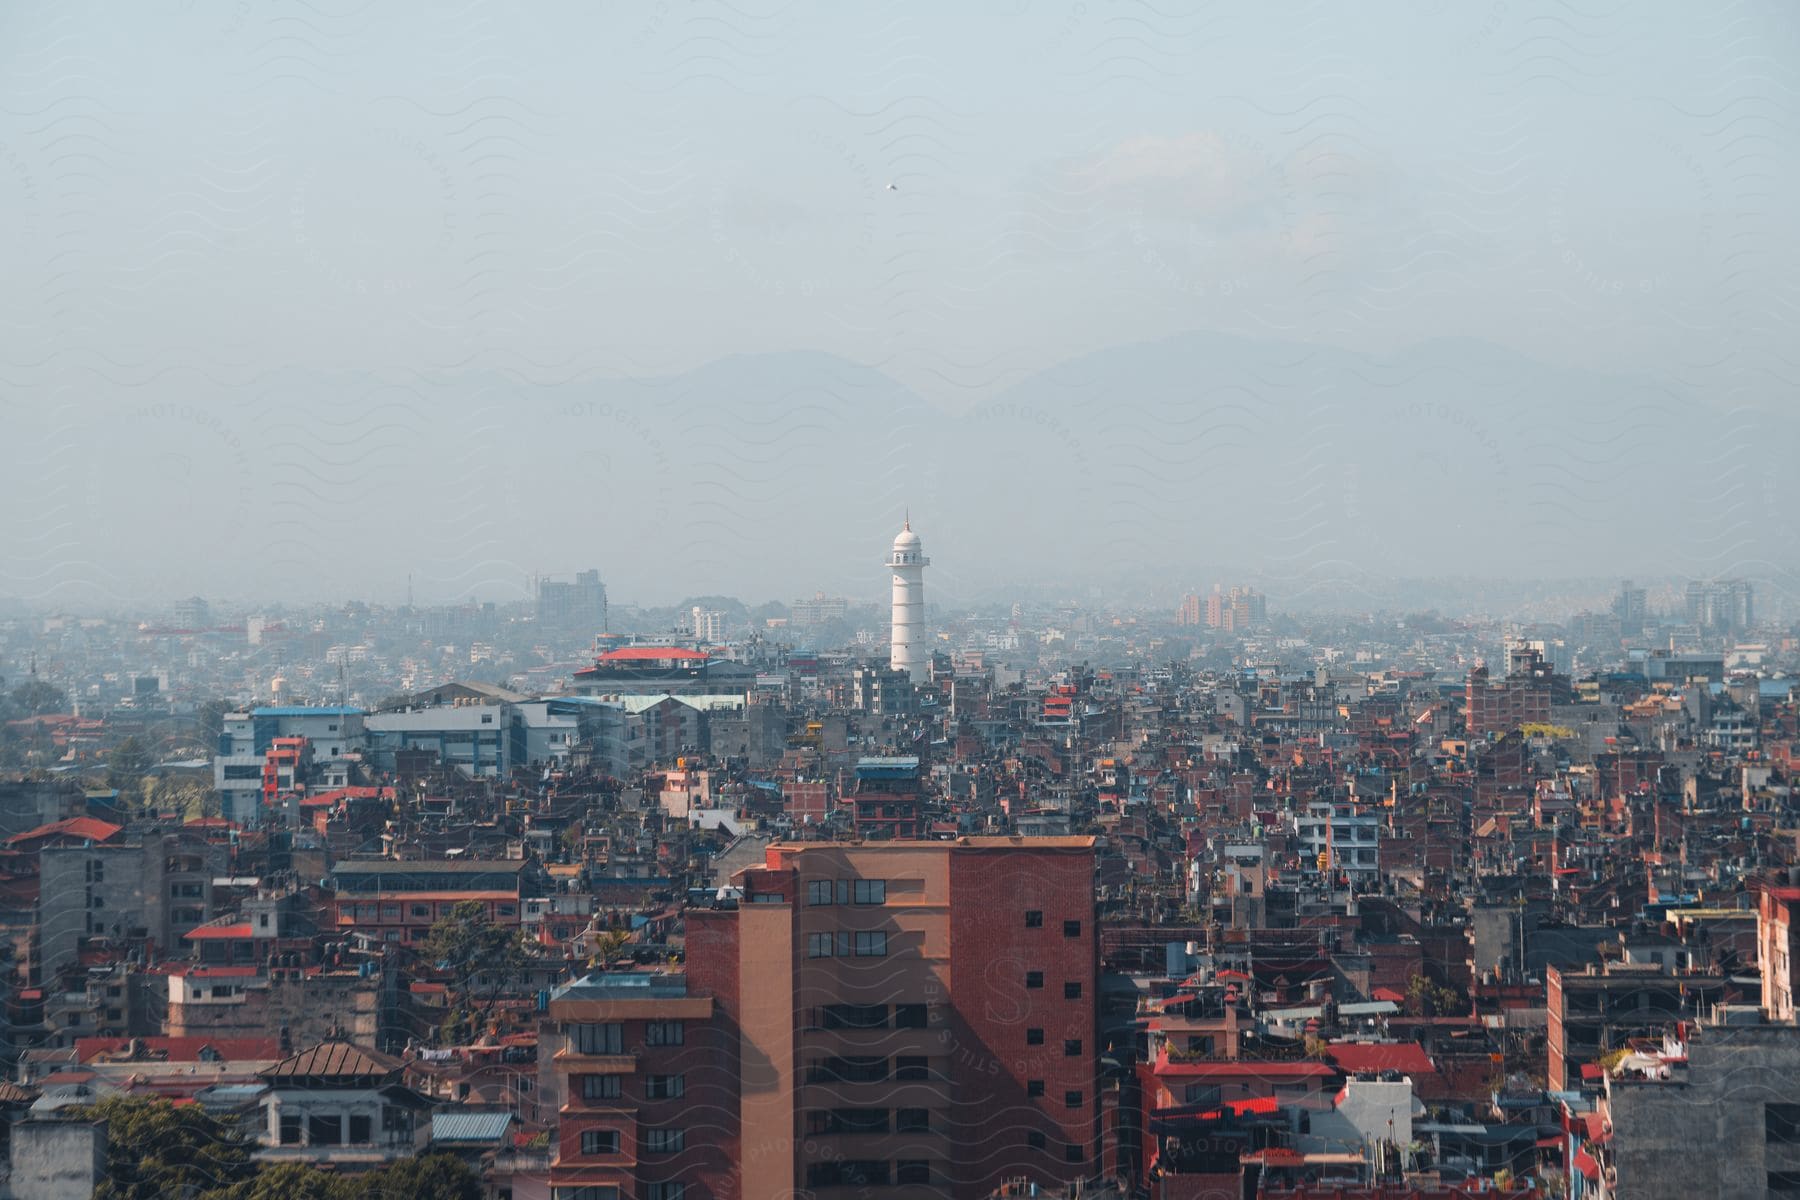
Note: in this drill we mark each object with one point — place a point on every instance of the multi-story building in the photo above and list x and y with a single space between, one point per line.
912 1018
1721 605
243 765
1501 706
647 1082
473 736
708 625
1340 837
400 901
1776 959
888 801
566 607
1596 1011
820 610
883 691
1236 611
1631 609
155 888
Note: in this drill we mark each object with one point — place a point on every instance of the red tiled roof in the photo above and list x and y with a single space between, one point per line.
90 828
1211 1069
239 929
1409 1057
1388 994
347 793
650 654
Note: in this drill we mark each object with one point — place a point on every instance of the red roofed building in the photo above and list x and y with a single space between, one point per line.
649 670
1408 1058
74 831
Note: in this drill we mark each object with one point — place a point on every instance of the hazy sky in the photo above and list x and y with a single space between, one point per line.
302 298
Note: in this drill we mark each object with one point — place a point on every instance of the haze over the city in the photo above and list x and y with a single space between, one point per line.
310 300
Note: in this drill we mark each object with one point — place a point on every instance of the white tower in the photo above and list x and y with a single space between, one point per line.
908 562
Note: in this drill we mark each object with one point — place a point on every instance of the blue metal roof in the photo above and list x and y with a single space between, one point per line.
470 1126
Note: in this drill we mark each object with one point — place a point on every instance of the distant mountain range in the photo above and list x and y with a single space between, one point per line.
1149 469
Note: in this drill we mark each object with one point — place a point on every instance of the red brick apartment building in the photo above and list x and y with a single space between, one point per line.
873 1019
1499 706
1775 930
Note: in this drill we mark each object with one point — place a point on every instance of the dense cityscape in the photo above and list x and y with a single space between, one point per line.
842 898
782 600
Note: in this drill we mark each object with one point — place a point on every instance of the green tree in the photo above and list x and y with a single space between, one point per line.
288 1181
155 1149
35 698
467 944
127 764
433 1177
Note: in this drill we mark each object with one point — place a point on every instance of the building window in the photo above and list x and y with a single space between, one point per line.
912 1120
1034 918
665 1191
847 1120
1781 1124
818 891
909 1016
1071 991
847 1173
1034 1037
871 943
324 1129
593 1191
665 1141
1072 1152
849 1070
664 1087
599 1039
1072 1099
1034 1140
290 1129
855 1016
912 1170
421 910
1202 1093
1071 928
599 1087
870 891
1072 1048
1034 1088
1034 979
599 1141
911 1068
665 1033
818 945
